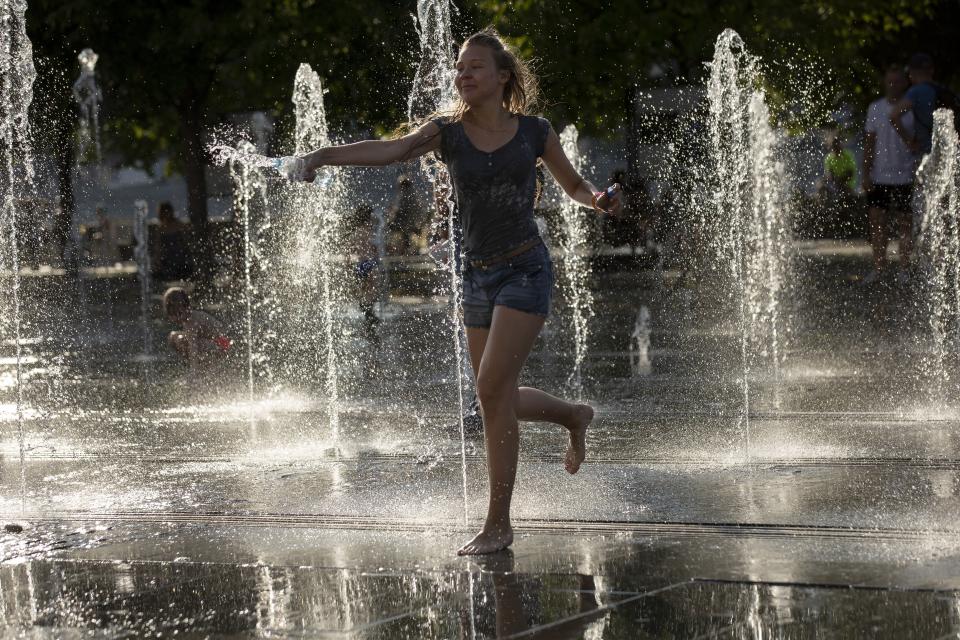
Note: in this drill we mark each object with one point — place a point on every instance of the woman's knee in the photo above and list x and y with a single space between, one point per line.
495 393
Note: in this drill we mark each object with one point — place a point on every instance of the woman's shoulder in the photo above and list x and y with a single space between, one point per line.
443 122
539 127
448 127
537 121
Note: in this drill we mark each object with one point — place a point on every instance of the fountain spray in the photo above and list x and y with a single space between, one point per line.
576 267
747 221
142 256
939 178
319 206
433 91
248 183
17 75
87 95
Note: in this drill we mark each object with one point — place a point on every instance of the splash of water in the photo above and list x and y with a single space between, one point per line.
747 220
17 75
87 171
317 232
433 91
433 82
939 177
141 254
224 155
380 242
575 279
249 188
640 364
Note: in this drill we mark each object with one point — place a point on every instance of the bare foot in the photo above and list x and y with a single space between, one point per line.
577 450
488 541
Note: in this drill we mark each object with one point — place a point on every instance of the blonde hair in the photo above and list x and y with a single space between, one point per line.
521 94
522 91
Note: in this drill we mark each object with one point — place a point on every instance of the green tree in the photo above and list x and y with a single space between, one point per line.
170 71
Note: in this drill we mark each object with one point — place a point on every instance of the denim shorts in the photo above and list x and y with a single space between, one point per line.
523 283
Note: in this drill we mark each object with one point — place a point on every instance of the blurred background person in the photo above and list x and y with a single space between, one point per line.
406 216
170 250
888 170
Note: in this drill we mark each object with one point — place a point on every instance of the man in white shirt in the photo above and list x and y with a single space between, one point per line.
888 169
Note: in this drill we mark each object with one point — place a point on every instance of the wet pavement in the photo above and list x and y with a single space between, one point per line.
819 502
270 579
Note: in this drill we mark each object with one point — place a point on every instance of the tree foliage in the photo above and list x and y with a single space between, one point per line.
820 53
170 67
160 59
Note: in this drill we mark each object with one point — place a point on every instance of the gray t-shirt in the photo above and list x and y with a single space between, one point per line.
494 192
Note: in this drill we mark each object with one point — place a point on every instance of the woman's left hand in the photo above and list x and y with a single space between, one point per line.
615 206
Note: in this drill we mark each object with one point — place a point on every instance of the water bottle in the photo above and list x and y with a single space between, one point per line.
606 197
294 168
290 167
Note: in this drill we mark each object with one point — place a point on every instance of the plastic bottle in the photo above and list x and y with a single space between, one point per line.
290 167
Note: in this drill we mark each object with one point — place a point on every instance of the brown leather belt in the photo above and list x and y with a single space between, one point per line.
526 246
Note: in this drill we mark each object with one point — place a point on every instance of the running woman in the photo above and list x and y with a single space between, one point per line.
491 146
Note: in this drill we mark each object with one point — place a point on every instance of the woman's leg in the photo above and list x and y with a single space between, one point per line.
508 343
534 405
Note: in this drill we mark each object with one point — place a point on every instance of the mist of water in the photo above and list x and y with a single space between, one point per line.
640 364
380 242
939 178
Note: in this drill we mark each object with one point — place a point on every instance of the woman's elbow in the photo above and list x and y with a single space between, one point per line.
573 188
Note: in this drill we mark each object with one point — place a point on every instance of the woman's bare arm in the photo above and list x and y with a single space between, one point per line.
573 184
375 153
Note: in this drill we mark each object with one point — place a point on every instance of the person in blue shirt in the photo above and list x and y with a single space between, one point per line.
921 99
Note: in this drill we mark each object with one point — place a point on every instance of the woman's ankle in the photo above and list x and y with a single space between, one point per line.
497 525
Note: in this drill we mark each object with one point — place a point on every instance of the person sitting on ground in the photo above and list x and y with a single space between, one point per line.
888 168
202 340
840 168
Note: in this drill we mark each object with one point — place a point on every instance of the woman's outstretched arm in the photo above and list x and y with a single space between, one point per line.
374 153
572 183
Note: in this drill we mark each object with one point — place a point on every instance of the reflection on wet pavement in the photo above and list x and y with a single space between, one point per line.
278 581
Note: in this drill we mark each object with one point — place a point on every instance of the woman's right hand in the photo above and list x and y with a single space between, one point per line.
299 168
308 173
311 163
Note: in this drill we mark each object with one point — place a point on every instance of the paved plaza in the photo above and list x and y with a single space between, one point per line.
158 506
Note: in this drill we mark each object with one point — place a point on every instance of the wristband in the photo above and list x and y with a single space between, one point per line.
594 199
609 191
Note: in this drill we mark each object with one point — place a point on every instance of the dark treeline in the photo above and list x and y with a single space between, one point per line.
172 71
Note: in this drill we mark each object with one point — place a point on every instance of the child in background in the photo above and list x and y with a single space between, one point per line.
366 269
202 341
